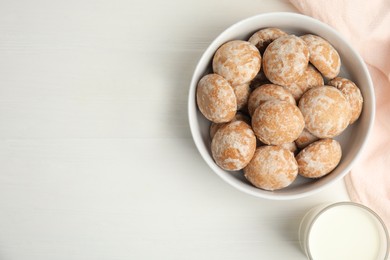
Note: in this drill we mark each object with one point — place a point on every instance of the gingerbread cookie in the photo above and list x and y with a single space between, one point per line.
292 147
305 138
319 158
326 111
322 55
216 99
271 168
262 38
277 122
242 93
259 80
268 92
239 116
233 146
310 78
353 95
285 60
237 61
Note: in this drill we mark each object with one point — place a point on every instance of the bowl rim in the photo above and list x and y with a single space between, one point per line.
192 113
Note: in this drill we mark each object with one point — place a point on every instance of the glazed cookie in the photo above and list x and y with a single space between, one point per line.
319 158
310 78
353 95
326 111
277 122
233 146
295 90
323 56
271 168
242 94
216 99
292 147
239 116
259 80
305 138
262 38
268 92
285 60
237 61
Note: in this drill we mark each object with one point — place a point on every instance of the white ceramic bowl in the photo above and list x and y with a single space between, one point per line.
352 140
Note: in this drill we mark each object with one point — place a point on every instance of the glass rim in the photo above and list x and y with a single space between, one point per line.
349 203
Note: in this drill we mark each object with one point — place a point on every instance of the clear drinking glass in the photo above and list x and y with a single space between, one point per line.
343 230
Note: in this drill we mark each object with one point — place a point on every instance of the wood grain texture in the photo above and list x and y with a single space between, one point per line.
96 157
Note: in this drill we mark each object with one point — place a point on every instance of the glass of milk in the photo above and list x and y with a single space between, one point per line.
342 231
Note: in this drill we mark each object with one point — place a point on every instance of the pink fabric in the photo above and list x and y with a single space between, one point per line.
366 24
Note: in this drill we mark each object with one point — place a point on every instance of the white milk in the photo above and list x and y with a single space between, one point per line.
345 231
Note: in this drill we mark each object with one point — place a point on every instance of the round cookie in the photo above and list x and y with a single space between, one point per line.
277 122
268 92
242 94
262 38
310 78
271 168
319 158
295 91
305 138
292 147
233 146
259 80
239 116
285 60
322 55
326 111
237 61
353 95
216 99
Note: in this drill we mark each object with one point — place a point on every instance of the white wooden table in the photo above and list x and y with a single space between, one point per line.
96 156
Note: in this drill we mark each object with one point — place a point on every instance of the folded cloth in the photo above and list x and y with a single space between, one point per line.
366 24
